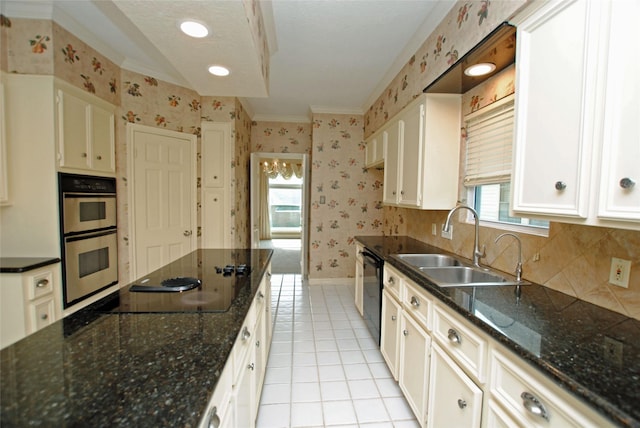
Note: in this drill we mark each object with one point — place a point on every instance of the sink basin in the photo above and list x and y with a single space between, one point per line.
428 260
459 276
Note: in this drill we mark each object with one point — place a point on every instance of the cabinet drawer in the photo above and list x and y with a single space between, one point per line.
534 401
39 285
393 281
465 346
41 314
416 302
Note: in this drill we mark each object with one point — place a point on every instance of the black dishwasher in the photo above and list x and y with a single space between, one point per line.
372 292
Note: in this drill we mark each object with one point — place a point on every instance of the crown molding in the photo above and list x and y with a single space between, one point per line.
281 118
335 110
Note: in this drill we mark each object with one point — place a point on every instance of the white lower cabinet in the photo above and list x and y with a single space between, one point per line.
415 345
390 332
234 402
454 399
453 374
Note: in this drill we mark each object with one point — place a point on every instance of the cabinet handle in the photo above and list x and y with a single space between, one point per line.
391 281
393 317
533 405
44 317
214 419
42 283
627 183
251 366
269 274
561 185
461 403
245 334
454 336
99 157
415 301
257 343
260 295
405 332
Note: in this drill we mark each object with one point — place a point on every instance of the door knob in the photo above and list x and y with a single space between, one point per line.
187 233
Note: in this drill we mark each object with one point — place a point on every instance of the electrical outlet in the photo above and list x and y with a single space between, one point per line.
619 273
536 257
448 234
434 229
613 350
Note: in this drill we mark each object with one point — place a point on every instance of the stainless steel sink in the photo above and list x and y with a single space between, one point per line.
457 276
428 260
447 271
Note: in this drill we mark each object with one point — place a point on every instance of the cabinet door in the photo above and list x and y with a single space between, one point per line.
260 355
359 280
213 235
370 151
412 145
414 365
619 198
102 140
390 332
214 137
556 94
391 159
73 129
454 400
243 399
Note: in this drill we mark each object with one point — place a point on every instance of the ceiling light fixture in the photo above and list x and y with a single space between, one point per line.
194 29
218 70
480 69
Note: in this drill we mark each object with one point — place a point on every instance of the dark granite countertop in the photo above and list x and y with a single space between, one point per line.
560 335
24 264
96 368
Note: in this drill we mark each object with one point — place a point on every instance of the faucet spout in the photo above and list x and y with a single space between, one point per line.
519 265
477 254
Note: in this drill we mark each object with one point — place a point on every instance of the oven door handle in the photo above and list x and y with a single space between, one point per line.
90 235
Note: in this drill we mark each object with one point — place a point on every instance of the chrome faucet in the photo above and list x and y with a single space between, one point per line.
477 254
519 265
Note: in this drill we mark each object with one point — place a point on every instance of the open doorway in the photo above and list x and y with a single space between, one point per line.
279 194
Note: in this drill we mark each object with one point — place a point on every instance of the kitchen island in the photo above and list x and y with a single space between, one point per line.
107 367
565 339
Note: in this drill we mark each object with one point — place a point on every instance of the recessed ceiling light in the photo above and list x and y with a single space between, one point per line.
480 69
194 29
218 70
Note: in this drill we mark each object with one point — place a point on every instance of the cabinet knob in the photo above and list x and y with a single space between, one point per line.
84 155
533 405
215 199
391 281
187 233
627 183
402 192
415 301
99 157
251 366
561 185
461 403
454 336
215 177
214 419
405 332
44 317
393 193
393 317
257 343
245 333
260 295
42 283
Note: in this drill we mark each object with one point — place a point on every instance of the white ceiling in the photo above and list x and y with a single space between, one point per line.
326 55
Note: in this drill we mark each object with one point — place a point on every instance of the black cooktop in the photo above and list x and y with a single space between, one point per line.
202 281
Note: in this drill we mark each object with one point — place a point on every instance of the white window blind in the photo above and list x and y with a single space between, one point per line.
489 142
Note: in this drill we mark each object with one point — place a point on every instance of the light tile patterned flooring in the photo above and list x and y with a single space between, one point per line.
324 368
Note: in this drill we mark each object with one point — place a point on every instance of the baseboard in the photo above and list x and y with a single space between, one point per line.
332 281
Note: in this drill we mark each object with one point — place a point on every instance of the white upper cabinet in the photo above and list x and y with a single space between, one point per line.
374 151
422 153
86 132
577 144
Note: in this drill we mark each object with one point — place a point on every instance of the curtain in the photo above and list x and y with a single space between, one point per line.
265 214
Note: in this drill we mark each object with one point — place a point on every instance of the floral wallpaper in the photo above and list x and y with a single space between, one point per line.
574 259
345 197
467 23
281 137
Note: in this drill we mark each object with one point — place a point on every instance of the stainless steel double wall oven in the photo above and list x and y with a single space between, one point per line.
89 239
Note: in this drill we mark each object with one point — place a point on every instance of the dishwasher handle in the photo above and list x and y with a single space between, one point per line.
377 261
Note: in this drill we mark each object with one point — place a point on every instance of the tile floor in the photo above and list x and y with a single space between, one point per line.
324 368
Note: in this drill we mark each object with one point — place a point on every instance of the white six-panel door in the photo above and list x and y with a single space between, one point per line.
162 197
